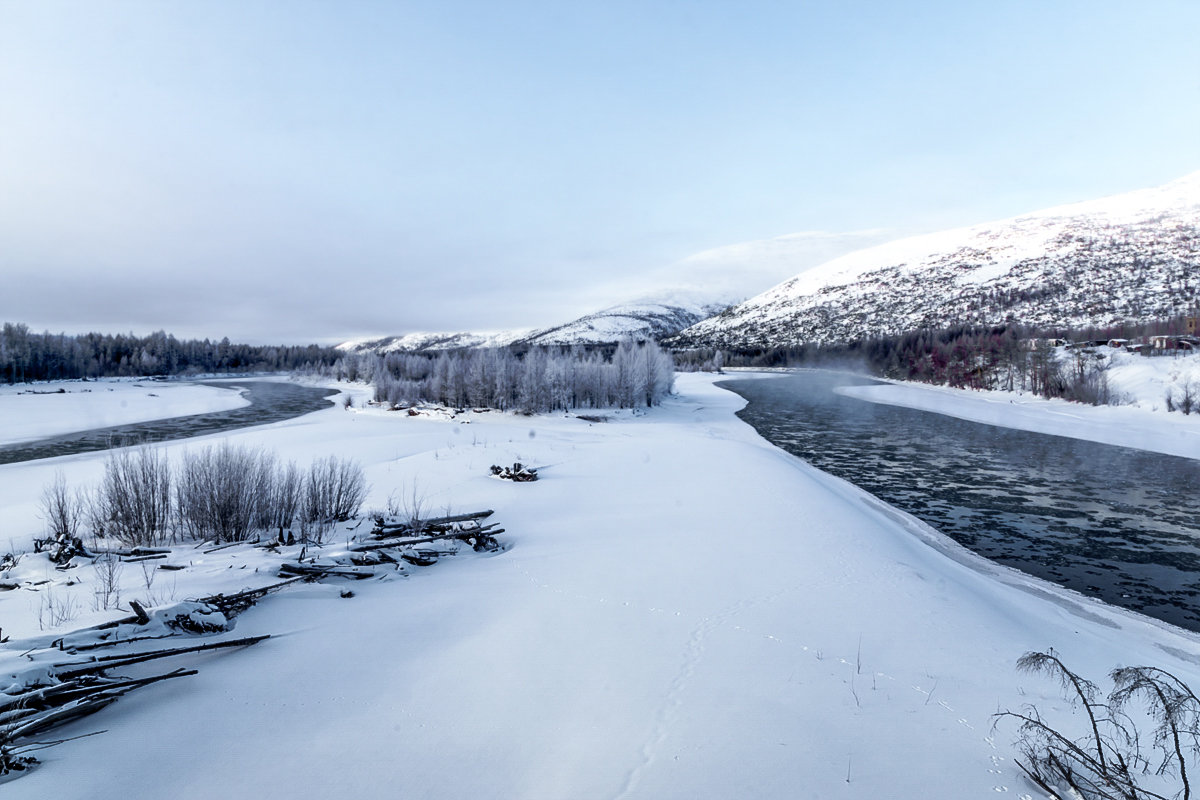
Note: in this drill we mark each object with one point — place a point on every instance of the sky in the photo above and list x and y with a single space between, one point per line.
285 172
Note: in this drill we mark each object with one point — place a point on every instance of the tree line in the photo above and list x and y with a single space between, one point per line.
538 379
28 356
1010 357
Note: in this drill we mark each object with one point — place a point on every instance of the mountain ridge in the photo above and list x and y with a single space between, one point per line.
648 318
1134 256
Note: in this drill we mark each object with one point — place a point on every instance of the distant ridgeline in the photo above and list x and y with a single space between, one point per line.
27 356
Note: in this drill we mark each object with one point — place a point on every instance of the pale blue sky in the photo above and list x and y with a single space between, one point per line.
288 171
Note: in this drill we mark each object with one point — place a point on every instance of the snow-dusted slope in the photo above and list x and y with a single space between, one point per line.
1132 256
417 342
653 317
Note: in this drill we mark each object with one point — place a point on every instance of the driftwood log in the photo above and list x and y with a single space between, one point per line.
518 473
323 570
64 692
432 523
405 541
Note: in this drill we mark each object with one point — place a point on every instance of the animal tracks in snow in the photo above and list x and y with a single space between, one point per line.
693 655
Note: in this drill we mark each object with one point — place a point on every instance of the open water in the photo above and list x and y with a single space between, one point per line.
270 401
1118 524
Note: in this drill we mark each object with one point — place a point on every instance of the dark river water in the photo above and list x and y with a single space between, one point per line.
1118 524
270 401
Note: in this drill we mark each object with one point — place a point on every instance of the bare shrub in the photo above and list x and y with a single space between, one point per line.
224 492
151 596
286 491
1108 761
55 610
409 504
133 503
107 593
61 509
333 490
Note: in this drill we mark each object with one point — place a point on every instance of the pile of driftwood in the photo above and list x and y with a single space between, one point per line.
517 472
72 676
415 542
65 678
391 545
62 549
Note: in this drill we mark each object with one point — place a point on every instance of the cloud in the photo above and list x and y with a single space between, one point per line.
738 271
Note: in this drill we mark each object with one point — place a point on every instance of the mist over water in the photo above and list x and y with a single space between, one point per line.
1118 524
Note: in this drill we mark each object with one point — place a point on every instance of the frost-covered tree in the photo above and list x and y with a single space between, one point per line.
536 380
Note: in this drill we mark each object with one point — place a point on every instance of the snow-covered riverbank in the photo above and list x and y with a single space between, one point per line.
1140 427
685 611
39 410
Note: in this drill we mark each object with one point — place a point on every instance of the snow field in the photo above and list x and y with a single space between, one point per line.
684 611
100 404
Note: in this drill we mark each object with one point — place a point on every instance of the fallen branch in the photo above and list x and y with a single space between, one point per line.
425 523
76 648
322 570
134 551
100 663
225 546
233 604
362 547
60 694
137 559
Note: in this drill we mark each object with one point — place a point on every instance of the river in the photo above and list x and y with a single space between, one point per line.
270 401
1119 524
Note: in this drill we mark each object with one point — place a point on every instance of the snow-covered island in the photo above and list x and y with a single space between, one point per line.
682 610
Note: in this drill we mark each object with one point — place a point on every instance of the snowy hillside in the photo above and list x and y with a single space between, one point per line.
1127 257
648 318
417 342
653 318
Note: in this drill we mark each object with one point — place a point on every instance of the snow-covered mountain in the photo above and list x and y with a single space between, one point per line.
1134 256
418 342
654 318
